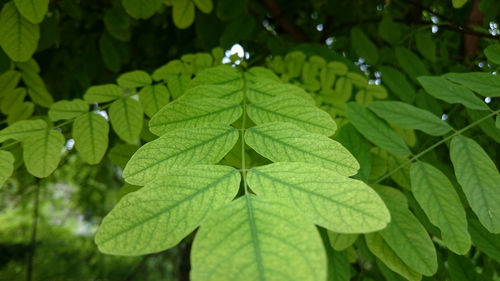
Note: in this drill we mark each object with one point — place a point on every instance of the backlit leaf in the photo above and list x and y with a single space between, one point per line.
141 9
183 13
103 93
126 118
225 92
219 75
34 11
64 110
134 79
341 241
153 98
263 89
90 132
42 152
6 166
22 129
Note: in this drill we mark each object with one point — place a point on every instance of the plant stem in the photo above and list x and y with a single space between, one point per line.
31 253
436 145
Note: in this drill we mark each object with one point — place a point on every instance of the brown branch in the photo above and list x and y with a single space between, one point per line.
290 28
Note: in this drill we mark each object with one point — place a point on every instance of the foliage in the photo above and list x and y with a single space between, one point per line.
136 145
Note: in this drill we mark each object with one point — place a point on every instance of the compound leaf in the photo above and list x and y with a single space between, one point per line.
90 132
225 92
219 75
263 89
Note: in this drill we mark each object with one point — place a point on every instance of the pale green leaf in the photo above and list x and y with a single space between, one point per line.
22 129
179 148
291 109
263 89
126 119
479 178
153 98
253 239
64 110
8 81
376 130
103 93
219 75
410 117
484 240
36 89
34 11
6 166
12 99
42 152
406 236
328 199
141 9
410 63
121 153
183 13
383 251
284 142
22 111
193 113
485 84
225 92
159 215
440 202
259 73
177 84
341 241
134 79
492 52
206 6
90 132
447 91
18 36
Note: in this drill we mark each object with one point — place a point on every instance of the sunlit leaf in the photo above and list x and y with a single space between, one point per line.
134 79
126 119
63 110
34 11
42 152
103 93
22 130
90 132
153 98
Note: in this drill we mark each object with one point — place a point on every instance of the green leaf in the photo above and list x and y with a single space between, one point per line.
153 98
34 11
6 166
193 113
179 148
159 215
457 4
497 122
12 99
359 147
22 130
410 117
121 153
383 251
484 240
90 132
36 89
126 119
479 178
64 110
219 75
461 268
363 46
177 84
440 202
141 9
410 63
376 130
447 91
183 13
339 268
341 241
22 111
389 30
18 36
8 81
406 236
103 93
485 84
206 6
328 199
224 92
284 142
134 79
42 152
492 52
487 125
425 45
290 109
256 239
263 89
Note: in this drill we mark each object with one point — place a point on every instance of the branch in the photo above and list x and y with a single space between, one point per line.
283 21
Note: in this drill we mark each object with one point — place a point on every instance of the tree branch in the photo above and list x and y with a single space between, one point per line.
290 28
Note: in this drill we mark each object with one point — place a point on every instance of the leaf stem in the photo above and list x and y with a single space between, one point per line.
436 145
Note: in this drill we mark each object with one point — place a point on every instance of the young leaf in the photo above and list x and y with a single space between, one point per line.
183 13
192 113
134 79
406 236
6 166
328 199
447 91
103 93
441 204
284 142
409 116
90 132
267 241
126 119
18 36
341 241
177 149
153 98
485 84
223 92
383 251
375 130
159 215
263 89
22 130
290 109
141 9
42 152
34 11
64 110
479 178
